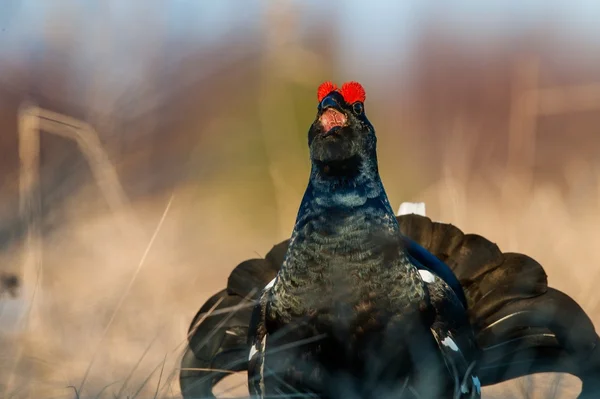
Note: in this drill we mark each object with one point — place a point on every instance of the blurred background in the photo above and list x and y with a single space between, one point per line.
148 147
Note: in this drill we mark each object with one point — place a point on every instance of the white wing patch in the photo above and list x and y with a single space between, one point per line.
427 276
257 347
271 284
449 342
406 208
477 383
253 351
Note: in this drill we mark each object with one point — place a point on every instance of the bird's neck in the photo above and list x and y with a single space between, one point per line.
345 202
346 185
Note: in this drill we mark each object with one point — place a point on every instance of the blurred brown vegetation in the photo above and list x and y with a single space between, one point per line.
219 124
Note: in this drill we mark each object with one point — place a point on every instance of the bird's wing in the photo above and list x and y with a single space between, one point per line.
425 260
462 370
257 339
454 336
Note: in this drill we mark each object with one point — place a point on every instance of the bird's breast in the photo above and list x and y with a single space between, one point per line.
352 259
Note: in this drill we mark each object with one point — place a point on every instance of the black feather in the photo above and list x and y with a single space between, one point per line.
250 276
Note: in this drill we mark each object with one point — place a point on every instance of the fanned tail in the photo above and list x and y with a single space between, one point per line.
522 326
218 334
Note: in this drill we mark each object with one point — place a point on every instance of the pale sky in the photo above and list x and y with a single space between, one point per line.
371 35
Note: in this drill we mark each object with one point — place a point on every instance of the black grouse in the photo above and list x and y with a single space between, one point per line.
362 304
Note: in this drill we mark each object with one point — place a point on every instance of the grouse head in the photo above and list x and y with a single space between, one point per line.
341 139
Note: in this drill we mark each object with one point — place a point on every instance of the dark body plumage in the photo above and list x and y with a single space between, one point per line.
349 315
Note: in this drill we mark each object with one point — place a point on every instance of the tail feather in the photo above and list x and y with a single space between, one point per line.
517 277
445 239
419 228
231 314
276 254
526 355
249 277
218 333
554 311
522 326
486 311
474 258
468 255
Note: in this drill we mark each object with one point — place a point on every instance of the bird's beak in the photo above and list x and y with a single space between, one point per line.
329 102
332 115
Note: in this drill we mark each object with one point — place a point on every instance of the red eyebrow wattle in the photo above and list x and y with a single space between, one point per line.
324 89
351 91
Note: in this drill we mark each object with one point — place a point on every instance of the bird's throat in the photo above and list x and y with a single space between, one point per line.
340 169
345 184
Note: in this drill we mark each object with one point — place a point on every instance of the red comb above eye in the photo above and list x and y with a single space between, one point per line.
324 90
353 92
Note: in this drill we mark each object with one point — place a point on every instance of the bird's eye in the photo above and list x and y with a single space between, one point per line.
357 107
